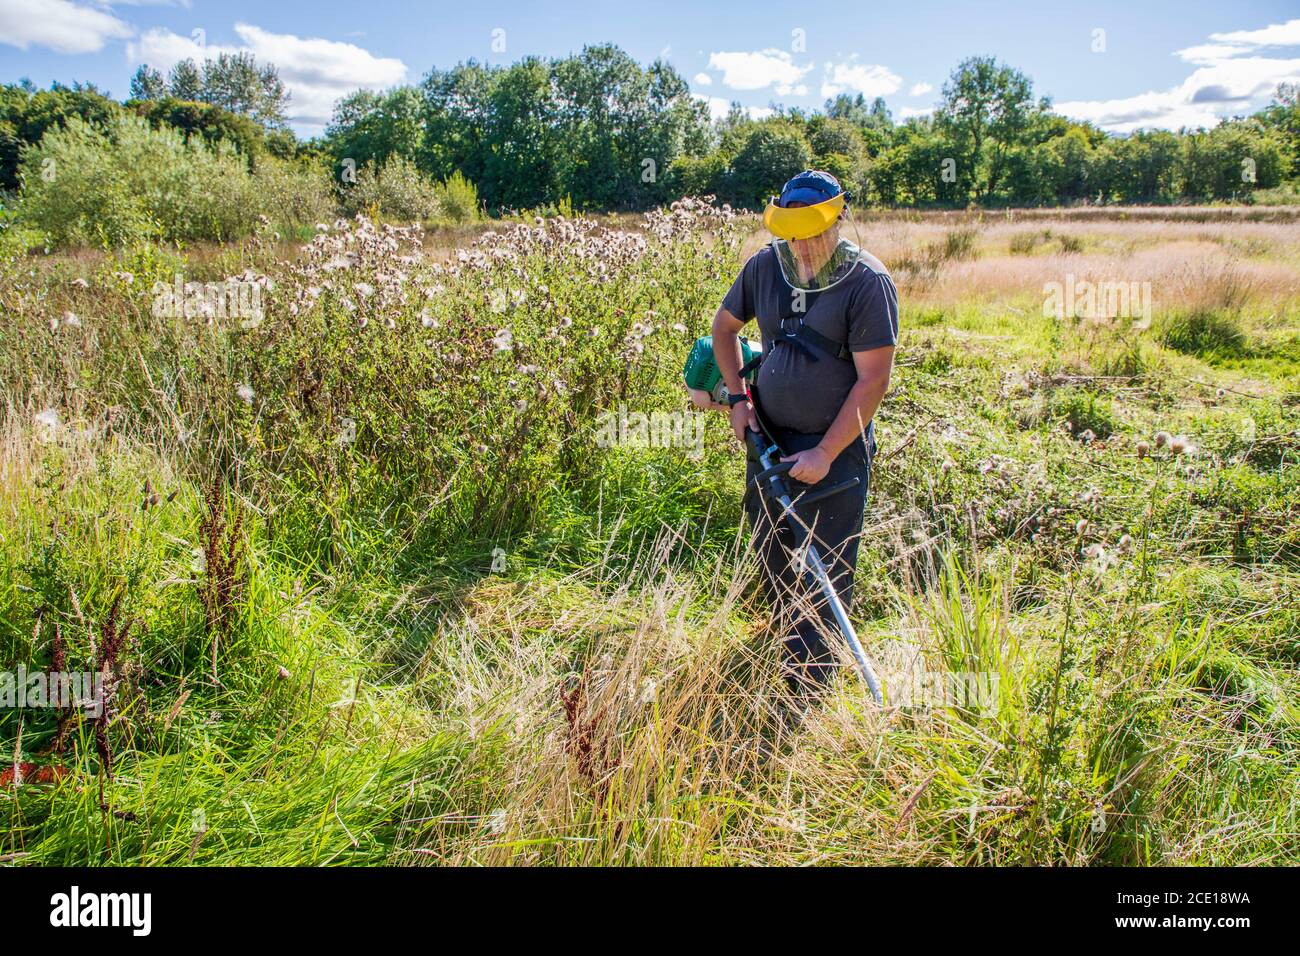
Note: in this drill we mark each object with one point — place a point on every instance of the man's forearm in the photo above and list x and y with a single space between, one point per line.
726 350
855 414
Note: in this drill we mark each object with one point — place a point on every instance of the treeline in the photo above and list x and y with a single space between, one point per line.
591 131
602 132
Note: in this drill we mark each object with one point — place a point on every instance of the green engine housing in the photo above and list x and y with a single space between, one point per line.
701 371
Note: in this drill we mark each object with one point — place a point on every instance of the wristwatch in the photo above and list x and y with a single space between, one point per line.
734 400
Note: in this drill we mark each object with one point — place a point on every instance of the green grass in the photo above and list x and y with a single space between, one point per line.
472 635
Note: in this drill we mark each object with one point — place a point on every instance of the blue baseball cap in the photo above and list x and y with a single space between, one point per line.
811 186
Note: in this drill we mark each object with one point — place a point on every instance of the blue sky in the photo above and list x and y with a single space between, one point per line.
1123 65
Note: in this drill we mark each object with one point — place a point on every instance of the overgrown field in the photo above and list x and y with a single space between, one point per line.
367 586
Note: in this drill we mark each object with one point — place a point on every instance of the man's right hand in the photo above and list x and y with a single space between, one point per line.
742 417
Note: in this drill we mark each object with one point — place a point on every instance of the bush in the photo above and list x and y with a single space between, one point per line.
89 185
457 199
396 190
126 182
1202 331
293 193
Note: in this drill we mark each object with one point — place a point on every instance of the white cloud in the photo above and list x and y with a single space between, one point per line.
60 25
703 79
1230 79
760 69
920 89
1210 53
720 106
1275 34
871 80
316 72
911 112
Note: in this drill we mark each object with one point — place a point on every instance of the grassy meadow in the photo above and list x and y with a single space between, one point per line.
366 587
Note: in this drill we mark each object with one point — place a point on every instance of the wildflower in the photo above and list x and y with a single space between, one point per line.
284 673
1162 439
246 394
1182 445
679 328
504 341
364 289
1143 449
1094 552
1087 436
1125 542
1081 526
565 322
428 321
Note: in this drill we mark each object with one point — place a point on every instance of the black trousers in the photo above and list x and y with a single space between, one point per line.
800 611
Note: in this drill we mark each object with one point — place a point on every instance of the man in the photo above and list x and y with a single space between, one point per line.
828 316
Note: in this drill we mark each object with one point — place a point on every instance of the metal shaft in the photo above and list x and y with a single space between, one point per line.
813 561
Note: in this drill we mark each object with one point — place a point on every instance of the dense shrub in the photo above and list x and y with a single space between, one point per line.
395 190
293 193
457 199
125 181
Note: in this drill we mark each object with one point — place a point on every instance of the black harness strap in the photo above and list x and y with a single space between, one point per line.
804 335
797 334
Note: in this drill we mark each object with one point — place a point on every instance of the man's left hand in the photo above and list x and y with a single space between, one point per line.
810 466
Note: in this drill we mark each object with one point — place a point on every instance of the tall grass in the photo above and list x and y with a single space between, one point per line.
384 598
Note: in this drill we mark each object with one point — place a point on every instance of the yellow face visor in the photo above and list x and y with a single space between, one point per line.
802 222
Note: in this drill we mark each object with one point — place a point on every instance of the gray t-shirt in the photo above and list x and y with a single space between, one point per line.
800 391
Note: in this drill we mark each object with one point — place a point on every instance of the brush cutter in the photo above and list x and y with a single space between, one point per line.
771 481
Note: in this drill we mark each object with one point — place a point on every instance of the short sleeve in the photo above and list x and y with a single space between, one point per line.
873 314
739 300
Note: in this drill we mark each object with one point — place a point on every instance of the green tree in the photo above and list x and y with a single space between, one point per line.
768 154
1283 115
371 127
27 114
986 109
148 84
238 83
185 82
